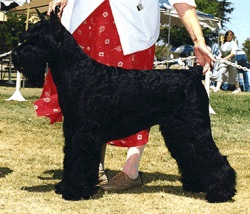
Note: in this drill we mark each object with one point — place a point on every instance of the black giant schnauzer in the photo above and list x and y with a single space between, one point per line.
102 103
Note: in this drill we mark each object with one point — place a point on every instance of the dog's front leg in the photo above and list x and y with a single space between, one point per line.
81 163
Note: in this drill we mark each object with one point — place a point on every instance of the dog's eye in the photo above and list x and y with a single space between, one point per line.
22 41
30 41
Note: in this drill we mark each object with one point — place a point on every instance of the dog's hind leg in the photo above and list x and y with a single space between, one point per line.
81 164
189 139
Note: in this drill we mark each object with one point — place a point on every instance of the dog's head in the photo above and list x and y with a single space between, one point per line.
38 47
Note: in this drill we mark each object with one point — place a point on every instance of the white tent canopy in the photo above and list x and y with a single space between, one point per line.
19 2
41 5
170 17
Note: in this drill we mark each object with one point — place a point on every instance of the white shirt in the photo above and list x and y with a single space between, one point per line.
137 29
229 47
190 2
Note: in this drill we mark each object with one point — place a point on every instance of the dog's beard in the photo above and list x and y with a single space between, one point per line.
35 79
35 75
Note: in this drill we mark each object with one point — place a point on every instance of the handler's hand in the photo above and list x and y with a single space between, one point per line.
204 57
52 5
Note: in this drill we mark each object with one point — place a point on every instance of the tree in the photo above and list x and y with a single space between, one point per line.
246 48
11 30
218 8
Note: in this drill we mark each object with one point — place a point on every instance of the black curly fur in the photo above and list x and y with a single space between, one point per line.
102 103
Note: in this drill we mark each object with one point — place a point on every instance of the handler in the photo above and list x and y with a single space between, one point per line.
122 34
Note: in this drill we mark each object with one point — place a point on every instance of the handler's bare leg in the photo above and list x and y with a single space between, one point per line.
129 177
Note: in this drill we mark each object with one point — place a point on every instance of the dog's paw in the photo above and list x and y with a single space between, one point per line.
78 193
192 188
190 185
59 188
218 197
74 197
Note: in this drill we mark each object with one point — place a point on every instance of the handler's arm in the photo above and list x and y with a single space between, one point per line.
188 16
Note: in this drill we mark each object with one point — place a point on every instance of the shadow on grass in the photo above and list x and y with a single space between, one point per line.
51 175
4 171
146 179
47 175
40 188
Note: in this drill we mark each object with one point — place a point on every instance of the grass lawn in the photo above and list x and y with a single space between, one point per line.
31 164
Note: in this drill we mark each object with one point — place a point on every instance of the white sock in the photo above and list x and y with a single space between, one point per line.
101 168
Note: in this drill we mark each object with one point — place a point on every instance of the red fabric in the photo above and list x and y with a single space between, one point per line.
48 105
98 37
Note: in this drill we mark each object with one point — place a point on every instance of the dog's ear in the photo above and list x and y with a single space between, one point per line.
53 15
56 24
40 15
54 20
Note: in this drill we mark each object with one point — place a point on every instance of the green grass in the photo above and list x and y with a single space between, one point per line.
31 164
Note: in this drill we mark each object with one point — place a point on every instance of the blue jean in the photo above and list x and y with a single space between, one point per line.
245 82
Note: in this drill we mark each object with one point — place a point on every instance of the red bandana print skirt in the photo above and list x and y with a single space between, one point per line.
98 38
